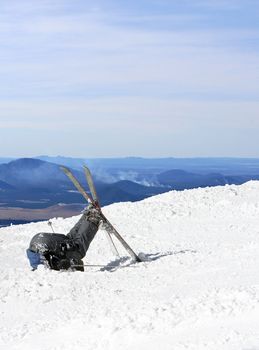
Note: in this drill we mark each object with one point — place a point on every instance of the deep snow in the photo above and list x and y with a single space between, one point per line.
199 289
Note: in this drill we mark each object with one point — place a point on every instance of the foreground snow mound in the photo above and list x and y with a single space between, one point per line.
198 289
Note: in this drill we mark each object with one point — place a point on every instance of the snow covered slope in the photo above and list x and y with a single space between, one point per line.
199 290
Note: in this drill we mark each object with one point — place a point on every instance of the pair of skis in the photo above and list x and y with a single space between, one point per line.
93 199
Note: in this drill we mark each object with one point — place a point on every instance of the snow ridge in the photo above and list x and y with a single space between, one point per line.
197 289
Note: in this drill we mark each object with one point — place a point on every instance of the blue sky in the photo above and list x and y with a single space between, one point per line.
122 78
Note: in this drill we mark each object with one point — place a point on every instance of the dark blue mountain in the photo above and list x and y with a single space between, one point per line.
34 183
32 172
4 186
179 179
125 190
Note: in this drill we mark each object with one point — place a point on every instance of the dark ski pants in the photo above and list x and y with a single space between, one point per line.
82 234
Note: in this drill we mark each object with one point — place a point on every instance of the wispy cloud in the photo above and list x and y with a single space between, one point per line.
160 65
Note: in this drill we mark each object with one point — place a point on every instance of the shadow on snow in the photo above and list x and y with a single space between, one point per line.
128 262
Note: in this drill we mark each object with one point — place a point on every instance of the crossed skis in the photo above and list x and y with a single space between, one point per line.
93 199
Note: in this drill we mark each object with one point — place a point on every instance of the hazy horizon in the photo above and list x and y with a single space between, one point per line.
123 157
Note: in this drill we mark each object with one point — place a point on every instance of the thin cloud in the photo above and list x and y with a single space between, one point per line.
114 68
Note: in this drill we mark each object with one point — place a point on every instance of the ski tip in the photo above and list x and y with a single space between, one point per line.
86 168
63 168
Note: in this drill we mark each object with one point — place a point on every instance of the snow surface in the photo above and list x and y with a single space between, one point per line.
199 288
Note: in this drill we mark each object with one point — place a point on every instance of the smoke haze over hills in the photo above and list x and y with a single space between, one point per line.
34 184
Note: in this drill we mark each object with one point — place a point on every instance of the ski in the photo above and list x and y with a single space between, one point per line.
77 184
93 192
91 186
93 200
109 227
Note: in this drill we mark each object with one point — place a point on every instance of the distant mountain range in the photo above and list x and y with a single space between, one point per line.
225 166
180 180
36 184
43 183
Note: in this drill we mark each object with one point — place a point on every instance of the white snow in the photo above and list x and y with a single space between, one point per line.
199 290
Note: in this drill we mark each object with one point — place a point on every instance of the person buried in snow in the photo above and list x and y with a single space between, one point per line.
60 251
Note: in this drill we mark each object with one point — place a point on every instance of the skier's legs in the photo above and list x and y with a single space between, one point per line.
84 231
